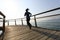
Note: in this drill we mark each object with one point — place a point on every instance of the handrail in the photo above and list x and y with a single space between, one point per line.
49 16
58 8
48 11
2 28
44 13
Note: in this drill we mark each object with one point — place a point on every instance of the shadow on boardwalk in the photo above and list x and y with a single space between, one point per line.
24 33
53 36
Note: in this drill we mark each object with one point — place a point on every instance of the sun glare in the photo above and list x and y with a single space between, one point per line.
10 8
10 5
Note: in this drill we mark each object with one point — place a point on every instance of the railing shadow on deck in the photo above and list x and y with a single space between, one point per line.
53 36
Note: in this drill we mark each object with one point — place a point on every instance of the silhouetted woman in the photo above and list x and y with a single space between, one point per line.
28 14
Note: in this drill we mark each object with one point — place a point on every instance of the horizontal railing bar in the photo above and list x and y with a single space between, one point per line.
48 16
39 17
15 19
48 11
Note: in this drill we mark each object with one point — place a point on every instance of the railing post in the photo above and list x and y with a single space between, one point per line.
3 28
8 22
35 20
3 24
15 22
22 21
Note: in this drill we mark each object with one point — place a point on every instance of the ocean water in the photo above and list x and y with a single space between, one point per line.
49 23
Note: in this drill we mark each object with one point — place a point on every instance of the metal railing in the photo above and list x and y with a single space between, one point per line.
2 28
22 20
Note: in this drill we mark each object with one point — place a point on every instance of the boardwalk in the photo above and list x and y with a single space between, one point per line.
24 33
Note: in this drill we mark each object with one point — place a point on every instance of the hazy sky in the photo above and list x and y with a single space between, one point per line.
16 8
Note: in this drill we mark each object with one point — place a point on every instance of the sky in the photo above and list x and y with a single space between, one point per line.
13 9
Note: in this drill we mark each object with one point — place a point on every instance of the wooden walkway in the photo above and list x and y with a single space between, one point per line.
24 33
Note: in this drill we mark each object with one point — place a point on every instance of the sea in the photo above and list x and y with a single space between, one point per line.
49 22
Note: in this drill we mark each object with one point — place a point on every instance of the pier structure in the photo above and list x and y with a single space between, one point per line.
20 30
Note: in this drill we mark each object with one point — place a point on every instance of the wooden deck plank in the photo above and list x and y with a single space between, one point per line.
24 33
